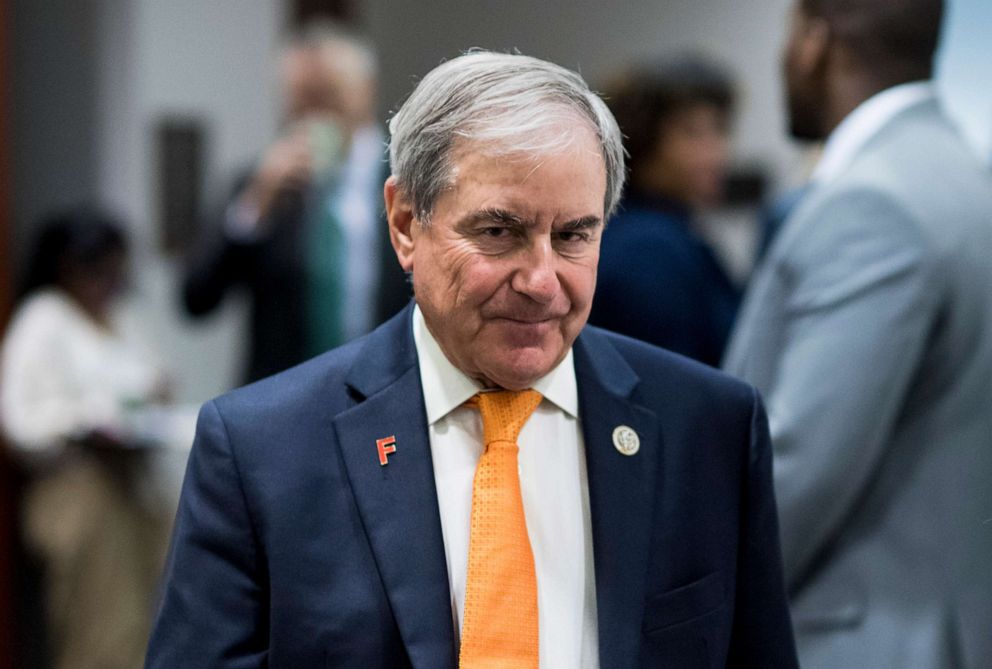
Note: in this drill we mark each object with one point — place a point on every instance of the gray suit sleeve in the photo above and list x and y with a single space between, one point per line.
861 298
214 605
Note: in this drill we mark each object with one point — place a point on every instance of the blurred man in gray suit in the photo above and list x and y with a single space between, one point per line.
869 331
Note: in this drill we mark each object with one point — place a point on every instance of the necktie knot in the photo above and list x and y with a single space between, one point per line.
504 413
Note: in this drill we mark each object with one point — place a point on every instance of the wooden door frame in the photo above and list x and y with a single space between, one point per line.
7 501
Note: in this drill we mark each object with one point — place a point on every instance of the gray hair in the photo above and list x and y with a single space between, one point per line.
322 32
509 102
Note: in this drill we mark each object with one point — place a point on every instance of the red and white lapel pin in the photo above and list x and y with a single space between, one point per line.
386 446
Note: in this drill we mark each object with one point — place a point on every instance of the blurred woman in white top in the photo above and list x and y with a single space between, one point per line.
72 373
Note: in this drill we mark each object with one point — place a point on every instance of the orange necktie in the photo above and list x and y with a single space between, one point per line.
499 630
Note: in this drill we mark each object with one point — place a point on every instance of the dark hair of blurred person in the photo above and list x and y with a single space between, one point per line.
841 52
71 370
658 280
82 252
675 115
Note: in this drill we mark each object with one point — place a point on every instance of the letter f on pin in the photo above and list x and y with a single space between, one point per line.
386 446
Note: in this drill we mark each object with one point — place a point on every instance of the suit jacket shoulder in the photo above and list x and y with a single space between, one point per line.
667 378
866 330
332 558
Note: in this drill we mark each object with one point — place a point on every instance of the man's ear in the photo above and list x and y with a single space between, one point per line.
399 214
814 45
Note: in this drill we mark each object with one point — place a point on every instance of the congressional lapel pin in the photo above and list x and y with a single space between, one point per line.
386 445
626 440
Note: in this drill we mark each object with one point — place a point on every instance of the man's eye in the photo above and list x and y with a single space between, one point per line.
495 232
568 236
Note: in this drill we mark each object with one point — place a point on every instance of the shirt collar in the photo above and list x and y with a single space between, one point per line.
858 127
446 387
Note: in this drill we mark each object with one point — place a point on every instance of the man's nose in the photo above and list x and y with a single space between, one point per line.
537 277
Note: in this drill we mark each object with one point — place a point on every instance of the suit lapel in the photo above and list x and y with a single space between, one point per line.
398 501
621 493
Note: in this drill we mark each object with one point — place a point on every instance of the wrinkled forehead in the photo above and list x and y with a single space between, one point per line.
528 142
567 176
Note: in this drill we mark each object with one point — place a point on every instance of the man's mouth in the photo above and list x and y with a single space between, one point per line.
528 320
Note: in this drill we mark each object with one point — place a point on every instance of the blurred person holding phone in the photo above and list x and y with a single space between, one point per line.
74 372
302 233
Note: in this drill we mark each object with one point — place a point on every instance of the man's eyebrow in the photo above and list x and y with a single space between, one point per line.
504 217
581 223
493 215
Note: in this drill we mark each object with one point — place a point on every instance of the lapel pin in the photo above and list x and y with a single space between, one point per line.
626 440
386 445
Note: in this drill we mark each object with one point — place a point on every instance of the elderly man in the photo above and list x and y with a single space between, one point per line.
869 331
483 481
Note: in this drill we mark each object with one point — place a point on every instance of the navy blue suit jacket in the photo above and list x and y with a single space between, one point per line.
295 548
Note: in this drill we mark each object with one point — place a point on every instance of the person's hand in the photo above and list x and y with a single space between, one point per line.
287 166
163 392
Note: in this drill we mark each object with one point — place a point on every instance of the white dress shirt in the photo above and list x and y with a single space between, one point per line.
862 124
553 485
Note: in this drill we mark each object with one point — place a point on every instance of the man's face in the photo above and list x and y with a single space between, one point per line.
802 69
327 82
506 269
692 154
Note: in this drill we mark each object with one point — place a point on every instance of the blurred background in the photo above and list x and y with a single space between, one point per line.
149 108
94 88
